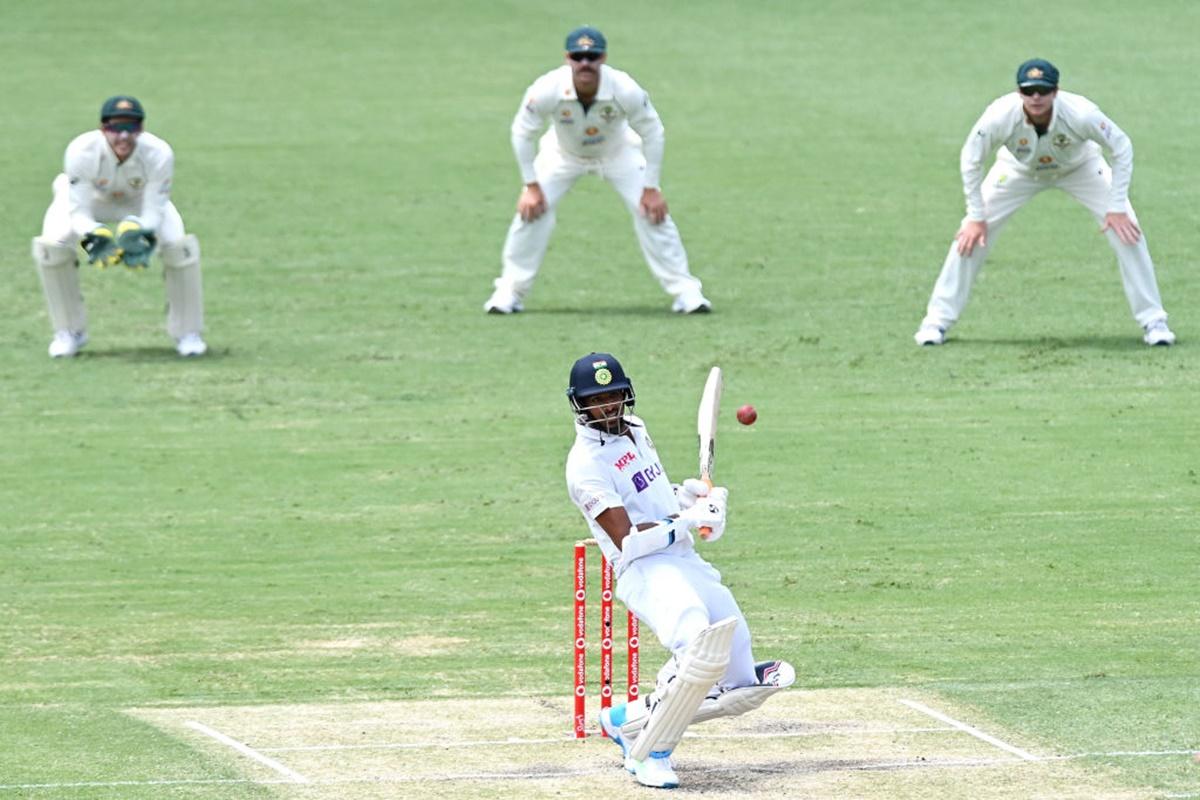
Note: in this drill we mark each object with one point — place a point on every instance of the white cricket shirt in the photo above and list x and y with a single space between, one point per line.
606 471
599 131
1078 131
141 184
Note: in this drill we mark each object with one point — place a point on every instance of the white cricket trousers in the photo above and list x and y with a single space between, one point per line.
680 595
526 243
1005 190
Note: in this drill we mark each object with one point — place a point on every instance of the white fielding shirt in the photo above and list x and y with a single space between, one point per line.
606 471
141 184
599 131
1078 131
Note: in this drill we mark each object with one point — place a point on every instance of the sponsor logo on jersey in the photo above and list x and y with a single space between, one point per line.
590 503
592 131
1045 159
642 479
593 140
1023 142
100 184
624 461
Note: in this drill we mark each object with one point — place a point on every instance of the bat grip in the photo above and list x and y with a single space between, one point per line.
704 530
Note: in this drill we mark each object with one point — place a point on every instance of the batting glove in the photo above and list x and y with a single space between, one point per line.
689 491
708 513
101 247
136 243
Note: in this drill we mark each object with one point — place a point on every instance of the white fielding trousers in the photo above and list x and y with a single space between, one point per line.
526 243
1005 190
679 596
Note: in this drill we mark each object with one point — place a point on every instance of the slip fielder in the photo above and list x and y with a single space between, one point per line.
601 123
1046 139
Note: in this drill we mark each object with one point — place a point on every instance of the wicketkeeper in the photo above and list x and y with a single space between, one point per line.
644 528
114 198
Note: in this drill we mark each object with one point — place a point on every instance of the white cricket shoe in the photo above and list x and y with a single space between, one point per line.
1157 333
611 720
190 344
503 301
691 303
656 772
67 343
930 335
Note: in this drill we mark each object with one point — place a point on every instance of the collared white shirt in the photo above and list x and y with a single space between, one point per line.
141 185
606 471
1078 131
599 131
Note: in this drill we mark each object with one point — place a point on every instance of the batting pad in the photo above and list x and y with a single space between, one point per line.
59 272
774 676
702 665
185 291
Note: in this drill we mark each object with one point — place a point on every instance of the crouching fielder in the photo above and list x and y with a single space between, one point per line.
644 527
114 198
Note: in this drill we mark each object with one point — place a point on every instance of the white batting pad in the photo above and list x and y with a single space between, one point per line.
702 665
56 265
774 676
185 292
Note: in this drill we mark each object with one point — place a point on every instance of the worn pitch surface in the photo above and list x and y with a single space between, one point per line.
844 743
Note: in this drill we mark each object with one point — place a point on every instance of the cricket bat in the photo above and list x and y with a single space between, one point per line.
706 428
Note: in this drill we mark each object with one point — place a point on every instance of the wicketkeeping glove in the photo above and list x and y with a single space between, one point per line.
136 243
689 491
101 247
708 512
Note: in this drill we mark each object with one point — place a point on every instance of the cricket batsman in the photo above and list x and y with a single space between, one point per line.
644 528
114 198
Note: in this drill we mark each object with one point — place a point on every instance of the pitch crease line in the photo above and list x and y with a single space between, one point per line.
308 748
247 750
962 726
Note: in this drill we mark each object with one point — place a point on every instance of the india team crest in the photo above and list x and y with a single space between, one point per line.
603 376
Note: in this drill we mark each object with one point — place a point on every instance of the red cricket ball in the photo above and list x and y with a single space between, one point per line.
746 415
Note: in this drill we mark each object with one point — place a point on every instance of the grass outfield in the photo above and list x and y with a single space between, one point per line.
356 501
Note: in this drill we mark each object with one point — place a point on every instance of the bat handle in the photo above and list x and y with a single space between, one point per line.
704 530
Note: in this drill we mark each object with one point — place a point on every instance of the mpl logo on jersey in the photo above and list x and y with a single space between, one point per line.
624 461
643 478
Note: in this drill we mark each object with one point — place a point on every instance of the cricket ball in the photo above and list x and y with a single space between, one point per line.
746 415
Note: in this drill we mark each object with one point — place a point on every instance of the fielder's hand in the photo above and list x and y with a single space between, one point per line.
653 205
689 491
1124 227
532 203
135 243
708 512
101 247
972 233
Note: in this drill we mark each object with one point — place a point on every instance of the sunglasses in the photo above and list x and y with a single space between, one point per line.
1029 91
122 127
588 57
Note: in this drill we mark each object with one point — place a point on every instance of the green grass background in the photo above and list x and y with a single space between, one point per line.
1010 520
